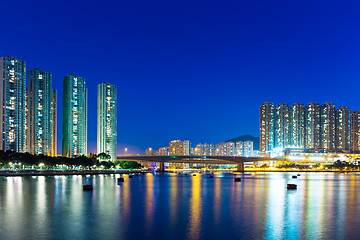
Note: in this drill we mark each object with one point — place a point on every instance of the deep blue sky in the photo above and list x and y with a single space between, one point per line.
195 70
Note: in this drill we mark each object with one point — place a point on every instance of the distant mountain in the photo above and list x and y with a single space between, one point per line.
247 138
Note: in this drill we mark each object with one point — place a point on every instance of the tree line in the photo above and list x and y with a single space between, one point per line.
26 159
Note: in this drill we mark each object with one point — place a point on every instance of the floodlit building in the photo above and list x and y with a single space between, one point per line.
327 132
356 131
248 148
282 126
178 147
164 151
107 119
208 149
297 125
343 129
239 148
13 102
312 126
40 112
266 127
74 116
199 149
150 152
54 124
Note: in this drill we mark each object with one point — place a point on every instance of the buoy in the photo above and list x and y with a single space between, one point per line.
211 176
291 186
120 179
237 179
88 187
130 176
294 176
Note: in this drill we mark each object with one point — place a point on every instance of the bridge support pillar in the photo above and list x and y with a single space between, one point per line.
162 167
240 167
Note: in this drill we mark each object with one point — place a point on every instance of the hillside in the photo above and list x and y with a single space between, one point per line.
247 138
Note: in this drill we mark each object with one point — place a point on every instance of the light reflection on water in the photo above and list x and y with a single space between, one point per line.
325 205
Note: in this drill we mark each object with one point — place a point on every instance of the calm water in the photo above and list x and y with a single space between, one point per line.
325 206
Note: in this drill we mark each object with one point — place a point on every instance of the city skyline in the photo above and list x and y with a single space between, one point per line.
311 127
190 68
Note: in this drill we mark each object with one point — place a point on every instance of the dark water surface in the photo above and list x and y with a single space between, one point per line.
164 206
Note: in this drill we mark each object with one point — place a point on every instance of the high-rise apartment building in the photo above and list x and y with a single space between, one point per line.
54 124
150 152
343 129
239 145
107 119
178 147
40 112
297 125
163 151
312 126
327 123
74 116
356 131
199 149
282 126
209 149
13 102
266 127
248 148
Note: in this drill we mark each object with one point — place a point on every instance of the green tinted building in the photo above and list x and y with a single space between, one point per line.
107 119
74 139
13 102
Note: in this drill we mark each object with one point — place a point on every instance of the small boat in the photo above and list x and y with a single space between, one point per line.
211 176
291 186
88 187
120 179
130 176
294 176
237 179
298 174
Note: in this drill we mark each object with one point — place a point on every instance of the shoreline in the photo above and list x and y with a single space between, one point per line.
99 172
66 173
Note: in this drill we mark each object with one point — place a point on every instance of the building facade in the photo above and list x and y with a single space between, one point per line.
107 119
13 102
248 149
40 112
74 116
327 132
297 125
54 124
282 133
178 147
266 127
312 126
343 129
356 131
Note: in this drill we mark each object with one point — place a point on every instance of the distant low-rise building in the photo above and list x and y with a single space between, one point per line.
178 147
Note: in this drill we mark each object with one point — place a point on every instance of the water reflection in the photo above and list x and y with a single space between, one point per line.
195 208
181 207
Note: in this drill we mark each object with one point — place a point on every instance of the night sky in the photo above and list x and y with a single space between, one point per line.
195 70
